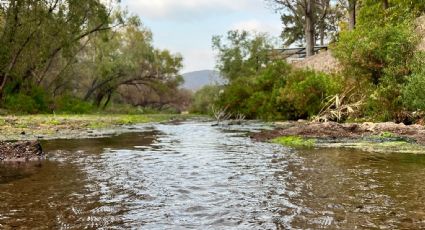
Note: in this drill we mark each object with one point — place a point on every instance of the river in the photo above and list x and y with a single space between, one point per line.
194 175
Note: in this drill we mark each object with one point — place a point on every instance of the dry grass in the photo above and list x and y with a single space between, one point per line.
323 62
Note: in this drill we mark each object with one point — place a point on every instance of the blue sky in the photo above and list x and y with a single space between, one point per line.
187 26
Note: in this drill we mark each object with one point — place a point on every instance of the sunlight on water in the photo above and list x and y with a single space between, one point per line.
193 175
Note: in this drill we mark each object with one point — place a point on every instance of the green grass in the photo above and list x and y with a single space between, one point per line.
385 135
12 126
294 141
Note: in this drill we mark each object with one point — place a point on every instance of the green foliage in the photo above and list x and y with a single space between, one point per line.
20 103
386 135
242 54
372 12
384 103
413 92
376 51
305 92
272 91
35 101
204 99
255 96
378 57
294 141
73 105
84 48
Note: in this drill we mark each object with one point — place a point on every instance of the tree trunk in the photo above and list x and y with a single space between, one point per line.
98 99
352 14
386 4
108 99
309 28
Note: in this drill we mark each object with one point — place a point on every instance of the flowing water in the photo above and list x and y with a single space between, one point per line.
197 176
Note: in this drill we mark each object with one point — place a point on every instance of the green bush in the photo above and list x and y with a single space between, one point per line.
255 96
204 98
384 103
376 51
305 92
70 104
413 92
20 103
35 101
235 96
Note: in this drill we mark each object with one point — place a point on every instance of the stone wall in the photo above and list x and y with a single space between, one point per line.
323 62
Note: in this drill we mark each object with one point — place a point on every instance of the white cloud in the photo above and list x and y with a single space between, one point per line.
257 26
197 59
186 9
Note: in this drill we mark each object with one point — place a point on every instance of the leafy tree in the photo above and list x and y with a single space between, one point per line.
127 57
34 33
242 54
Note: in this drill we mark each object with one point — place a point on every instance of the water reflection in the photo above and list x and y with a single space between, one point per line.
196 176
353 189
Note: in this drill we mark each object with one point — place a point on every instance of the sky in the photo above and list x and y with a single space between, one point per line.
187 26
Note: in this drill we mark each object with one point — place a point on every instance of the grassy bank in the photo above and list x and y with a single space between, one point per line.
29 127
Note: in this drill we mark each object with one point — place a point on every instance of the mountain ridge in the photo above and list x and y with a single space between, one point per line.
195 80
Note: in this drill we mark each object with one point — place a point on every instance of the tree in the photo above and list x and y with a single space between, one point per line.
126 58
35 33
303 12
308 21
242 54
351 7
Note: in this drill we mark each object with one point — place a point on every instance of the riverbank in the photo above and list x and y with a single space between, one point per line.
371 137
45 127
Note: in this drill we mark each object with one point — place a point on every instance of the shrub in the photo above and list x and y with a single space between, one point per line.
385 101
35 101
204 98
70 104
376 51
413 92
256 96
235 96
305 92
20 103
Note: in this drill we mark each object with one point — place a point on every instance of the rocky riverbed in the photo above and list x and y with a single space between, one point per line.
21 151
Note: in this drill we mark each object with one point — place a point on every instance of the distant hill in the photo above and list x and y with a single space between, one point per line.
197 79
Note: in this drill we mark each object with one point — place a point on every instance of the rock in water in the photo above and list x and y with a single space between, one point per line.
21 151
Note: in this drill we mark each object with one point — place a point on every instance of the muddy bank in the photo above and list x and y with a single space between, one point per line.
376 137
22 151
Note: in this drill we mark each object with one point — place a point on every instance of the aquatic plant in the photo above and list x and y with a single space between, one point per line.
294 141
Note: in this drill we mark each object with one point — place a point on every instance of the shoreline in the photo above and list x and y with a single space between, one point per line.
386 137
47 127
